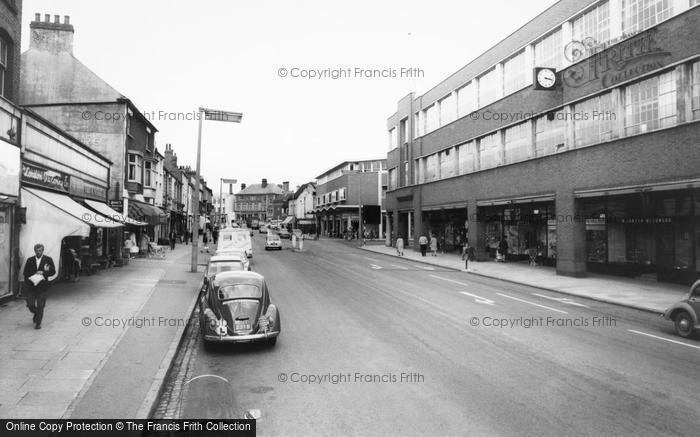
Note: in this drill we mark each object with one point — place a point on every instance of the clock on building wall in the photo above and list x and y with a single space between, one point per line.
545 78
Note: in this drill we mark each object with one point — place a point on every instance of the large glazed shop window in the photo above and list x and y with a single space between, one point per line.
548 51
550 134
518 143
489 151
650 104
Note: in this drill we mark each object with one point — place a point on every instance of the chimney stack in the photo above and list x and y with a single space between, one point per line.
264 183
54 37
242 187
285 186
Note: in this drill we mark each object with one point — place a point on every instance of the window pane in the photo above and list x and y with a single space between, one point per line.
550 135
515 74
650 104
518 143
488 88
594 120
695 86
549 51
448 110
638 15
447 163
467 159
465 98
489 151
431 116
593 26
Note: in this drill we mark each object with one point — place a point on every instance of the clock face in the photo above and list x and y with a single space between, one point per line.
546 78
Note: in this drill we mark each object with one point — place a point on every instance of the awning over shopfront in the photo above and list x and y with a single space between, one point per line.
287 220
143 211
52 217
118 217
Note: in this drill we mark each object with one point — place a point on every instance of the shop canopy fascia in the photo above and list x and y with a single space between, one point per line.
106 211
525 199
51 217
140 209
660 186
287 220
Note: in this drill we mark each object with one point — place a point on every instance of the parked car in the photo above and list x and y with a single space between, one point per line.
236 308
273 241
225 261
284 233
235 239
262 229
684 313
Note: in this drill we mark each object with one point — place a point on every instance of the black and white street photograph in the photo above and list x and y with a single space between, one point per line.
374 218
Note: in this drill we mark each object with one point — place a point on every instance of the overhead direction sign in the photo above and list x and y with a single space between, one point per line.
218 115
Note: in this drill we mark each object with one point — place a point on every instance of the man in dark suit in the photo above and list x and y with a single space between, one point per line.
43 266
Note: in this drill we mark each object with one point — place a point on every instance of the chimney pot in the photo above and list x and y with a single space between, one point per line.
57 19
66 19
47 18
37 17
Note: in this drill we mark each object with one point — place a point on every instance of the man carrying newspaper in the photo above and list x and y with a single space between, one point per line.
37 271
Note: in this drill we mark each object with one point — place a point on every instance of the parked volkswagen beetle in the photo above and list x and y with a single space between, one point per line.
685 312
236 308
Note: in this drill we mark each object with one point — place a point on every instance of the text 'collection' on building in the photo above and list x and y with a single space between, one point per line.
575 138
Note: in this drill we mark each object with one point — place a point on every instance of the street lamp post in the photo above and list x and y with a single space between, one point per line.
216 115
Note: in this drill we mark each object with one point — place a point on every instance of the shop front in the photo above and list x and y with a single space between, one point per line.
448 225
156 221
648 234
529 227
59 174
9 201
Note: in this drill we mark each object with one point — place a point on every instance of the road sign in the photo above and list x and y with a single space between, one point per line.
217 115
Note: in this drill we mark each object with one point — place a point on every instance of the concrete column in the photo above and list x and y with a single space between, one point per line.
476 233
571 235
387 241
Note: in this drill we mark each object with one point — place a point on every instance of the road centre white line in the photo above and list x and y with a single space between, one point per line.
423 267
565 300
532 303
662 338
477 298
399 267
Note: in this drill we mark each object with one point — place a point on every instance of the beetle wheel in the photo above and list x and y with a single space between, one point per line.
684 324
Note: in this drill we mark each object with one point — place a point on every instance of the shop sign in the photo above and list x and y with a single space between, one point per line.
628 59
49 178
117 205
646 220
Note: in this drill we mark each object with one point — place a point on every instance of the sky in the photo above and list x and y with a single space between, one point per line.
171 57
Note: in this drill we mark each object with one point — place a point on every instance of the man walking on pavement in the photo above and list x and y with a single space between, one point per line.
37 271
173 238
423 242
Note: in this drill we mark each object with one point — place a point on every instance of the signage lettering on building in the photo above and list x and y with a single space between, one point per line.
94 191
48 178
628 59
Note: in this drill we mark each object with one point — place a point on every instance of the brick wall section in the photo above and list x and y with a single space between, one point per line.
11 29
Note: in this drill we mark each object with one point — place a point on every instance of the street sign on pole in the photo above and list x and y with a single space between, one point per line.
216 115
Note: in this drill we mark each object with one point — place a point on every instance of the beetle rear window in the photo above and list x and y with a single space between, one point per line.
239 291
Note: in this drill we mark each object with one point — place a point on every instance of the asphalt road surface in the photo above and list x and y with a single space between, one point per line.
376 345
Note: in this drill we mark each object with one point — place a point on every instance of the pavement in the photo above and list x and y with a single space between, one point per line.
105 344
376 345
639 294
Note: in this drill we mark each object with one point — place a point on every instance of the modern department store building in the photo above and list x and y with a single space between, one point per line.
599 173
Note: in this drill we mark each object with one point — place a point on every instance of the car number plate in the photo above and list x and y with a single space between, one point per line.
242 325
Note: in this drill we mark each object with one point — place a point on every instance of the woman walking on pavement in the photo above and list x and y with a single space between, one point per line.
433 245
399 246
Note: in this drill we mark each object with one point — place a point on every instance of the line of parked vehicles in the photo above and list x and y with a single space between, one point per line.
235 304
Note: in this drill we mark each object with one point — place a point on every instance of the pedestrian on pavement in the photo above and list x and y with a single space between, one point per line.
301 242
205 240
433 245
503 249
173 238
399 246
37 271
423 243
